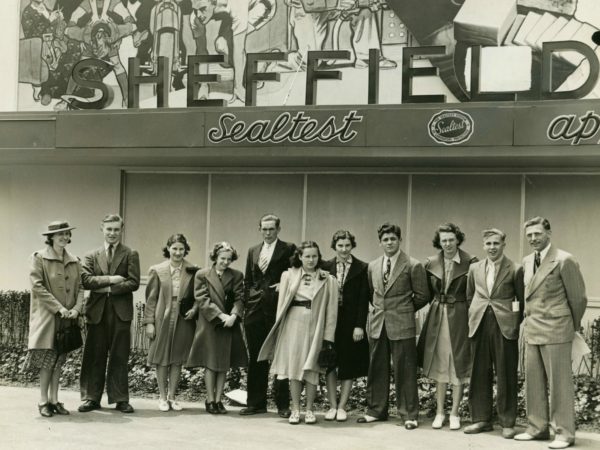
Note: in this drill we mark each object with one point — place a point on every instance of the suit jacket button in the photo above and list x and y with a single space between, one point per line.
68 290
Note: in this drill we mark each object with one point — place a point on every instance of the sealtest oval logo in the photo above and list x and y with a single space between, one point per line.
451 127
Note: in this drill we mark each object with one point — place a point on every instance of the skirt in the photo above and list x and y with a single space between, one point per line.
293 346
172 345
442 365
38 359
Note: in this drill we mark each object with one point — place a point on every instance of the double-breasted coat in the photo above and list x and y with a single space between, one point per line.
457 309
214 346
324 311
55 284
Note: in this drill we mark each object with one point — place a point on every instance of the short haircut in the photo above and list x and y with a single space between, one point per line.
300 249
50 241
221 247
177 237
448 228
538 220
493 232
269 217
389 228
342 234
113 218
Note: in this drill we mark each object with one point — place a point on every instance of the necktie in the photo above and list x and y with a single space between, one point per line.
263 260
109 255
490 276
386 274
220 275
537 260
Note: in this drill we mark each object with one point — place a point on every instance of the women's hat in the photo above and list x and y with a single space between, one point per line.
57 226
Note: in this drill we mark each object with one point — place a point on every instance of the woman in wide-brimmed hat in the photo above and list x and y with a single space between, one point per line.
56 300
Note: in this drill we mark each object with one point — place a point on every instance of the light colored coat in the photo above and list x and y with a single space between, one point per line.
555 298
508 287
54 285
395 306
323 315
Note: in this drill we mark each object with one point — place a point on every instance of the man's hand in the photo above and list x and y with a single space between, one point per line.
190 314
116 279
63 312
150 331
73 314
230 321
358 334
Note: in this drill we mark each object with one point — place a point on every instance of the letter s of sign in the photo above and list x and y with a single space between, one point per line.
77 74
217 135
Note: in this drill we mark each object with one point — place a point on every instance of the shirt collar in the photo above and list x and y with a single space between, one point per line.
455 258
544 252
495 263
173 269
271 245
347 261
115 246
394 258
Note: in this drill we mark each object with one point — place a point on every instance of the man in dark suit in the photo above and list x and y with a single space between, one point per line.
555 301
495 294
399 288
264 266
112 274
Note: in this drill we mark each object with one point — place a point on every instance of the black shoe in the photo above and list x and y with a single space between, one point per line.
478 427
46 410
251 410
59 408
221 408
124 407
211 407
284 413
88 405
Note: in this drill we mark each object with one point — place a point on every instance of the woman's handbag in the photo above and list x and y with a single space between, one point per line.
327 355
68 337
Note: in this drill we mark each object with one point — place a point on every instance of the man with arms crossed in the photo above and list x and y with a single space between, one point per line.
112 274
399 288
495 295
555 301
264 266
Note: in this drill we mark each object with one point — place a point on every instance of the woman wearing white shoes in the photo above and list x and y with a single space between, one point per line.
305 324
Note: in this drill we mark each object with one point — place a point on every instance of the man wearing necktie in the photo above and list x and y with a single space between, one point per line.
495 295
112 274
398 286
264 266
555 301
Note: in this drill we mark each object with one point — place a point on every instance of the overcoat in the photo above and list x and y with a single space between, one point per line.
54 284
215 347
457 309
158 304
323 315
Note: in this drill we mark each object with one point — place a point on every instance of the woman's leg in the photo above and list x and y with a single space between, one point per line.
45 379
311 393
295 391
440 396
332 389
210 380
174 375
161 377
345 394
53 394
219 385
457 392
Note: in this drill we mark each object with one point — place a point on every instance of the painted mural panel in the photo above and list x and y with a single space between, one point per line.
56 35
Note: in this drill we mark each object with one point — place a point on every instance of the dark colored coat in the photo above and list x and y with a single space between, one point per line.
458 314
352 357
261 299
95 275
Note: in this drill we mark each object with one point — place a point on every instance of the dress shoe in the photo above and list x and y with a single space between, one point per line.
478 427
508 433
163 405
46 410
410 424
384 64
124 407
438 421
369 419
221 408
309 417
59 408
294 418
251 410
331 414
532 437
284 413
559 444
211 407
341 415
454 422
88 405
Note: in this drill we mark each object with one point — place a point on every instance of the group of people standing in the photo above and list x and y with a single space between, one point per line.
295 316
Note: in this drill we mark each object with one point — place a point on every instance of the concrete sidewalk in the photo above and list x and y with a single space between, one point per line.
21 427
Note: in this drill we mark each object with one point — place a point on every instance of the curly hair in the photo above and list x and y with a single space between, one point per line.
300 249
342 234
389 228
448 228
220 247
177 237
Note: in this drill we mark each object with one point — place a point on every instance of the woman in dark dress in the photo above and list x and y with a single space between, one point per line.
351 346
443 348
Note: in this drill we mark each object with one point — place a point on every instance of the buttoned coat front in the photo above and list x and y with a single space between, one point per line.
55 284
508 287
323 315
395 305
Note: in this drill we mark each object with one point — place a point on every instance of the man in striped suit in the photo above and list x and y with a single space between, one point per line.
555 301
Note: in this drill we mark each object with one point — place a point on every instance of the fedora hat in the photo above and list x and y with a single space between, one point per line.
57 226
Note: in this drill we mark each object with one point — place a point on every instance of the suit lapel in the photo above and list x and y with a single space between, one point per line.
164 273
227 279
321 278
502 274
277 253
255 254
546 266
186 277
401 263
463 267
102 261
213 279
436 267
377 277
117 258
480 276
353 271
